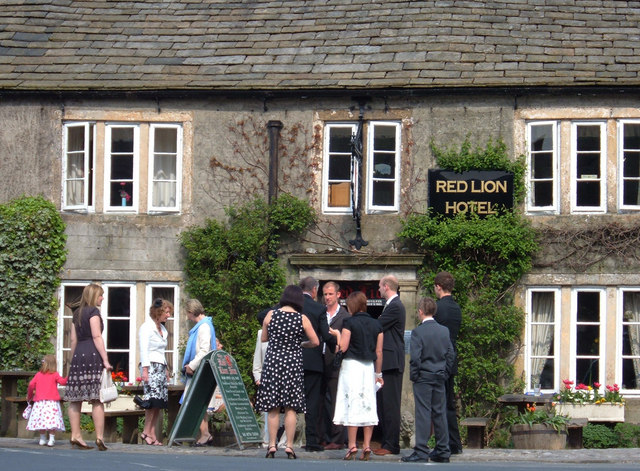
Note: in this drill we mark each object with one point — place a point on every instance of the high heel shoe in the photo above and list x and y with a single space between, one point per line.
290 453
365 454
351 453
272 452
81 446
101 445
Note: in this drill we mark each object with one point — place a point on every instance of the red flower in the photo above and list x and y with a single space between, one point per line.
596 385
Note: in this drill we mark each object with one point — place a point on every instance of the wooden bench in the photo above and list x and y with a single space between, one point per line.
129 424
18 424
476 427
574 433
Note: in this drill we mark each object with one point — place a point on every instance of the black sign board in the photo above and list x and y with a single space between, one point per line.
235 397
482 192
217 368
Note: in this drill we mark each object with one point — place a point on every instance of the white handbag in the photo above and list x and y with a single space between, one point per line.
108 390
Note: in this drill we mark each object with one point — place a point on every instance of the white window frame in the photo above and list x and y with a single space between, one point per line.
371 207
621 177
601 207
175 354
573 341
89 128
555 207
619 341
133 327
177 178
136 168
325 169
556 337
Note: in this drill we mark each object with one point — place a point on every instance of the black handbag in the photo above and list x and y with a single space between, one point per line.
141 403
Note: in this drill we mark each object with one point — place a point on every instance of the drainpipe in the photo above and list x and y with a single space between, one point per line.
274 128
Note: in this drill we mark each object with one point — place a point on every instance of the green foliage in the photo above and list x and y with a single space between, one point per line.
486 257
598 436
233 270
628 435
32 253
492 157
533 415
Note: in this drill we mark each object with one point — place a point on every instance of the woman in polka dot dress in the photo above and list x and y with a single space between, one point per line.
282 381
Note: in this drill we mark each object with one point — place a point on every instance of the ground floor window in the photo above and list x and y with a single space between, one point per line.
122 318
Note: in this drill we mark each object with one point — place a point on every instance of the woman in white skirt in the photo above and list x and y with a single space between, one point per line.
360 375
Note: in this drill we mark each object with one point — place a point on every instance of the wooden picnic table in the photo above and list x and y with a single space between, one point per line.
521 400
9 409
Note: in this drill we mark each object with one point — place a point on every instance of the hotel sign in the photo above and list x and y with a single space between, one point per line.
482 192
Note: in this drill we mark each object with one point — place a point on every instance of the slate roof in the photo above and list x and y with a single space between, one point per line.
316 44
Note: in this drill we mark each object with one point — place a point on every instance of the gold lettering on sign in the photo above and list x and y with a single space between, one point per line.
488 186
478 207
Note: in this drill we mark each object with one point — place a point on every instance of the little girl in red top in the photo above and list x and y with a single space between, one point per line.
46 414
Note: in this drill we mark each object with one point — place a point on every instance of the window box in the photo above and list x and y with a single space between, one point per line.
605 412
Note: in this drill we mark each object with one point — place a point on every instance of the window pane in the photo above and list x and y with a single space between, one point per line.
383 193
119 361
542 165
588 138
340 140
384 165
118 334
122 167
119 299
166 140
75 139
121 194
588 306
629 375
588 194
164 194
122 140
384 138
165 167
587 370
546 377
340 167
631 136
588 340
542 137
542 193
631 190
340 194
631 164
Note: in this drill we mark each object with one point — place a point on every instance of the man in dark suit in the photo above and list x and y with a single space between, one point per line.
431 360
334 435
392 320
313 362
450 316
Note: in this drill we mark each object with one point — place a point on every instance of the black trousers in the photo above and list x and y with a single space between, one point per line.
389 410
314 398
455 443
332 433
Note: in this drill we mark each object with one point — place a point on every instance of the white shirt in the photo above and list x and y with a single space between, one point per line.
152 344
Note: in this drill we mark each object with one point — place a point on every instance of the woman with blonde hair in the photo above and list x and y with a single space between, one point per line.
88 358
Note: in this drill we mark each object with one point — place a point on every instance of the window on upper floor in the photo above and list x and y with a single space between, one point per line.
588 167
132 172
629 163
381 167
542 168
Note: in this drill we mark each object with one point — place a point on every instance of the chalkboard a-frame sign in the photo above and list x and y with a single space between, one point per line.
217 368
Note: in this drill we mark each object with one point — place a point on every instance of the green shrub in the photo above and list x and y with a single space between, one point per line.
233 269
32 253
598 436
628 435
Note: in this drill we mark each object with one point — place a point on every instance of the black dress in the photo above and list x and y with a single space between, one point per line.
282 379
85 372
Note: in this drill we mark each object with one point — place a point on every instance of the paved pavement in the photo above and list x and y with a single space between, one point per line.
614 455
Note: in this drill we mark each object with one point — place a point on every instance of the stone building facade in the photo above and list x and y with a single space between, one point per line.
131 118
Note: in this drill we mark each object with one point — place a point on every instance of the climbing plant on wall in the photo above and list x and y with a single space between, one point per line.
232 268
486 256
32 253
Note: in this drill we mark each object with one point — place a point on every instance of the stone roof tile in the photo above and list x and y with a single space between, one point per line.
307 44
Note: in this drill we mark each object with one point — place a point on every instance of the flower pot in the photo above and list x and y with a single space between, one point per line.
537 437
605 412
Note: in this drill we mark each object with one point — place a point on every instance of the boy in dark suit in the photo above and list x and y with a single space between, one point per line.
431 360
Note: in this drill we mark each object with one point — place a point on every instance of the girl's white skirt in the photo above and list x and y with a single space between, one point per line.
46 415
356 395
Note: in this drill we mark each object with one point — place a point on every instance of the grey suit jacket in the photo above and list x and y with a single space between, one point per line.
431 353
